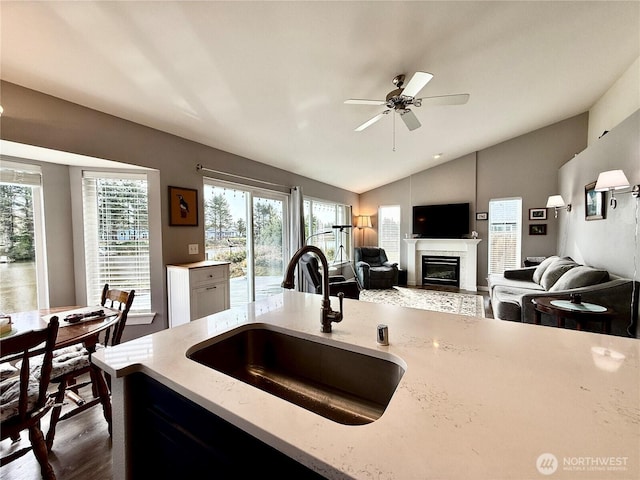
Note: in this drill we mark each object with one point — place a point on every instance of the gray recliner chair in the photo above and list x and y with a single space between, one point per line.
374 269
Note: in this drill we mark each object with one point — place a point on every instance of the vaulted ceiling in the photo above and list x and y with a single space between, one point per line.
268 80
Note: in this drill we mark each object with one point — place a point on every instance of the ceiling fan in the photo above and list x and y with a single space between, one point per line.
402 98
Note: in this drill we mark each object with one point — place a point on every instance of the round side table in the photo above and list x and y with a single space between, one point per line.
581 313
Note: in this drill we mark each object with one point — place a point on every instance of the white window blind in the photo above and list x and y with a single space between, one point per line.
389 231
116 229
13 173
505 234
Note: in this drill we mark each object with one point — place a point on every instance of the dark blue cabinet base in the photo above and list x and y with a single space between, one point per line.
173 437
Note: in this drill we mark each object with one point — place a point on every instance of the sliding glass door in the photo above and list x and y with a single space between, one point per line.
269 241
247 227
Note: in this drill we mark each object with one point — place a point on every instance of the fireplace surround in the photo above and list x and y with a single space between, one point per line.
464 248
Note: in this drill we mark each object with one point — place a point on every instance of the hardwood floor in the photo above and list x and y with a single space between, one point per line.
82 447
81 450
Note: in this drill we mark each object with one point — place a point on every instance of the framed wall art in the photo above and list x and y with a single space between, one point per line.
594 203
183 207
537 214
538 229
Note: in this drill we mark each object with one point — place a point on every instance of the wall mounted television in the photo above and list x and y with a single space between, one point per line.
441 221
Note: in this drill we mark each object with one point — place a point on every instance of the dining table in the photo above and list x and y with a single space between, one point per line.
76 325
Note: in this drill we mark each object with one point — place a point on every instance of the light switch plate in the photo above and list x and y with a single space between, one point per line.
193 249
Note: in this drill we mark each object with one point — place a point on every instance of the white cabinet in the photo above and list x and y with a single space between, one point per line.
196 290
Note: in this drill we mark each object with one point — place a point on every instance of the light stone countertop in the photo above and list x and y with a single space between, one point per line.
480 398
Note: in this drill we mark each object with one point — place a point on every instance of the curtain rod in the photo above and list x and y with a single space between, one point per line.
200 168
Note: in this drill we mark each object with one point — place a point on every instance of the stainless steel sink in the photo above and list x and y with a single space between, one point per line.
345 386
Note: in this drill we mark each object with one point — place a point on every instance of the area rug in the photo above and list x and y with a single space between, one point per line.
437 301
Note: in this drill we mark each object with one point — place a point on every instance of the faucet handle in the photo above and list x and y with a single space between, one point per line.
338 317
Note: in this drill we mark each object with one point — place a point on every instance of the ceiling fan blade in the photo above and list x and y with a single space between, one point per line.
410 120
417 83
357 101
371 121
457 99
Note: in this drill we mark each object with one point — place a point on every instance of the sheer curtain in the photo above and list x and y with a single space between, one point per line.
296 240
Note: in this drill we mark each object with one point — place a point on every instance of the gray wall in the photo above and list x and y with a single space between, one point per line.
526 167
609 243
46 121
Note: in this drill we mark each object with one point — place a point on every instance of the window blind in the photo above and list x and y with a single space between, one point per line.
13 173
505 234
389 231
116 229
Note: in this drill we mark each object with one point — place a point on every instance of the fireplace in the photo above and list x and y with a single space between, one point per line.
441 270
464 248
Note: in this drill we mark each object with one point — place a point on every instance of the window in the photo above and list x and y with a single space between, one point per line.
23 277
319 219
389 231
505 234
116 230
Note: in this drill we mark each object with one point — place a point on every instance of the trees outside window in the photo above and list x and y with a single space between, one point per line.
16 224
246 227
23 268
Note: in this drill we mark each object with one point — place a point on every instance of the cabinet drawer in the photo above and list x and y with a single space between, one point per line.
206 275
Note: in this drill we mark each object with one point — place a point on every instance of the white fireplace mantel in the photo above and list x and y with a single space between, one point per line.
464 248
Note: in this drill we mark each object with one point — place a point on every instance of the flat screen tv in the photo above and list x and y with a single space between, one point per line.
441 221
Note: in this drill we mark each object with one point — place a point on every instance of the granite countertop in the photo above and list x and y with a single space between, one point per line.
480 398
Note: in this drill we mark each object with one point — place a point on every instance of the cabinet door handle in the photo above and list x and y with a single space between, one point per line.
211 288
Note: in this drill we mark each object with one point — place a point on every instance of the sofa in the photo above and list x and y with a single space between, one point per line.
511 292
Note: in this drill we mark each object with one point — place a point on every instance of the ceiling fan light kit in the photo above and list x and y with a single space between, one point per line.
400 99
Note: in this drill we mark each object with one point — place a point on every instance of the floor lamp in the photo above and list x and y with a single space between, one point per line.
364 221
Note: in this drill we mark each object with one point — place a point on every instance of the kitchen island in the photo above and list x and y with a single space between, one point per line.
479 398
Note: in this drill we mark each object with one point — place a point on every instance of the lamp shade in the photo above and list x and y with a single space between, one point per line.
611 180
364 221
555 201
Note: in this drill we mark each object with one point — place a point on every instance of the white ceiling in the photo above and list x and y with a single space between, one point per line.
267 80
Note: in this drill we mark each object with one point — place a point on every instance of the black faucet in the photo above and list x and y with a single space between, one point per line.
327 315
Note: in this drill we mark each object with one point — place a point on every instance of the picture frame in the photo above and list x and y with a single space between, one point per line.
183 207
537 214
594 203
537 229
482 216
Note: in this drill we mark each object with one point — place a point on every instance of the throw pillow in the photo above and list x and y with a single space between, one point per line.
580 276
554 271
539 271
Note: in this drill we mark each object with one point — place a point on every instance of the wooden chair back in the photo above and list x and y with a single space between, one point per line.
120 300
20 349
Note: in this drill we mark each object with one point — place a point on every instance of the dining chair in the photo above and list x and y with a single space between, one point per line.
24 398
73 362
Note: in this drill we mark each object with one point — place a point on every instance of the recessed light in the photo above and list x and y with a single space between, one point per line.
437 156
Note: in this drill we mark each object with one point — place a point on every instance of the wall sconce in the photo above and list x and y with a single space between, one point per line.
364 221
613 180
556 202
